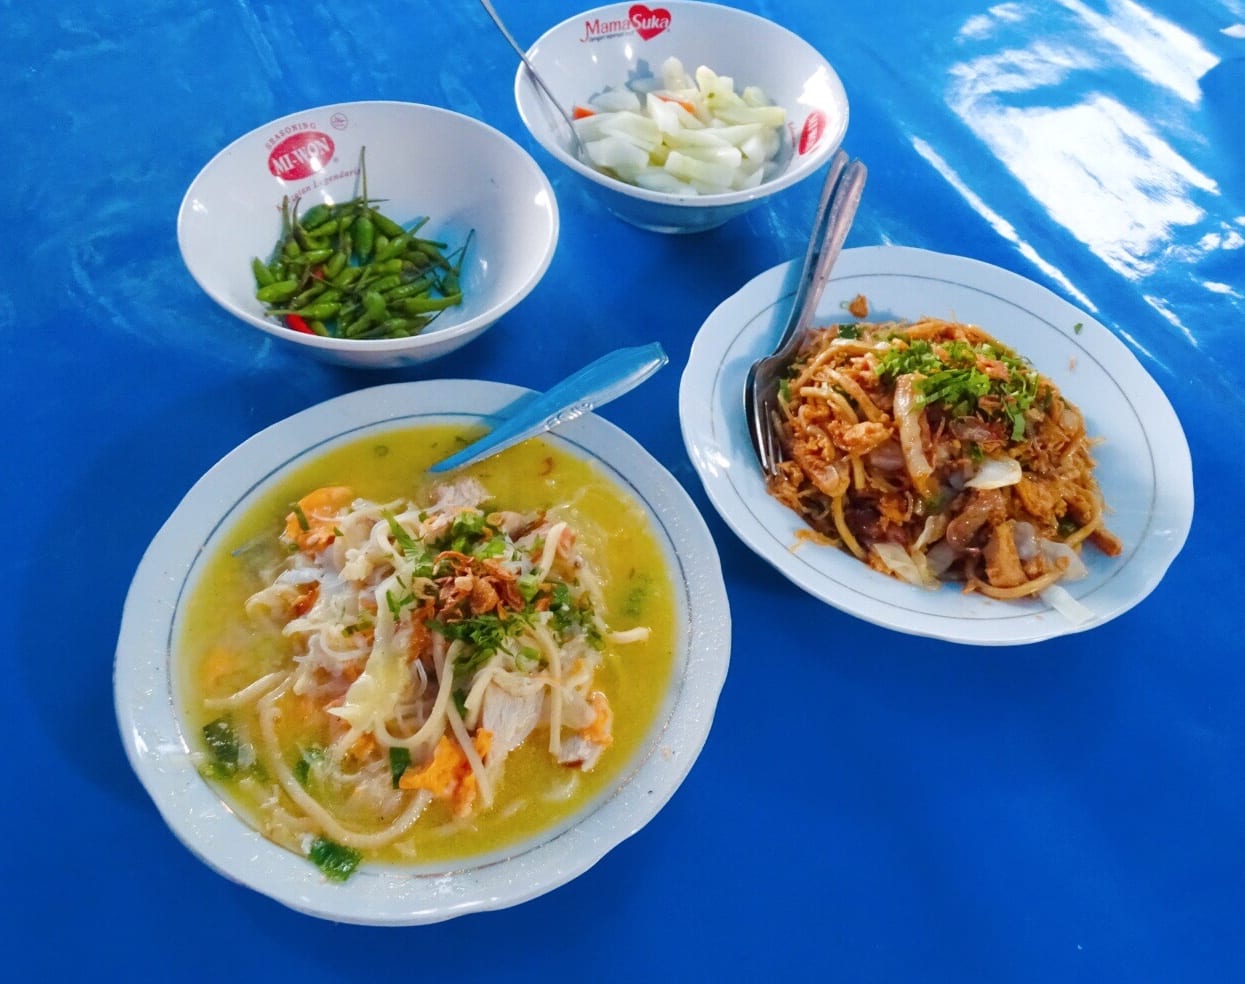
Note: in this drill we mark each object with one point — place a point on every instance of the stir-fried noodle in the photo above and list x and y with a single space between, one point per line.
932 452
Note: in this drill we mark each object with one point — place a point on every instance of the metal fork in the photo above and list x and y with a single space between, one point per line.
840 196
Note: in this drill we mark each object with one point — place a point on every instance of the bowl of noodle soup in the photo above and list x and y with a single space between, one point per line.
264 621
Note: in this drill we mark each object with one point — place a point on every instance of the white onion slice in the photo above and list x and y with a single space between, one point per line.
904 566
704 136
1059 599
1055 552
996 473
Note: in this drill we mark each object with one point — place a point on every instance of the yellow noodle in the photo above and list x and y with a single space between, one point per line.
841 525
933 450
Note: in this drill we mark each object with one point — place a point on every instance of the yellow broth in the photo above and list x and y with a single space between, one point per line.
221 650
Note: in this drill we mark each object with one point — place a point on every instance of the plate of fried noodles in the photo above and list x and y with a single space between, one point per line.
966 456
387 697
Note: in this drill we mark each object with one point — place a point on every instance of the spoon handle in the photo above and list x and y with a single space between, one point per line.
608 378
532 73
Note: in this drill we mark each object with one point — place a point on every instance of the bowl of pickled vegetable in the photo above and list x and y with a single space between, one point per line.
371 234
689 114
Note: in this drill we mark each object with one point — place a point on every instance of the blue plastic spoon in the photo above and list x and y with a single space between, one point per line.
593 386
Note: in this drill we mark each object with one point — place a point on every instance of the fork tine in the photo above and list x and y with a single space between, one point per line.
773 446
754 414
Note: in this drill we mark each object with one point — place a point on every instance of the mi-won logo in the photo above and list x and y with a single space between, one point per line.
301 154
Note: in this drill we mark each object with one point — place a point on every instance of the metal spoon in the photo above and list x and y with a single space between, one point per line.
577 145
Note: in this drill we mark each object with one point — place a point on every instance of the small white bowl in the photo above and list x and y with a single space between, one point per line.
422 161
609 46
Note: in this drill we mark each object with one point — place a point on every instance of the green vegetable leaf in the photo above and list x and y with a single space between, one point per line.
483 634
406 543
302 768
967 379
637 597
468 529
336 861
222 745
529 585
399 759
528 660
396 604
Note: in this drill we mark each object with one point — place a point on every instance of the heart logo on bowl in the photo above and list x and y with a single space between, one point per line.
648 23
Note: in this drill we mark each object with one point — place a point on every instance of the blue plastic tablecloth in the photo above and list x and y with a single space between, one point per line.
897 808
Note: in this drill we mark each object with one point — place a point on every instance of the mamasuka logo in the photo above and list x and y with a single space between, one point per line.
300 151
646 22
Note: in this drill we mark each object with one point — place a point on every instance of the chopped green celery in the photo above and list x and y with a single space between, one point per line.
309 757
637 597
529 585
399 759
222 745
337 862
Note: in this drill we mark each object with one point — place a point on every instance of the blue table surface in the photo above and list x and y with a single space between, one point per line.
898 809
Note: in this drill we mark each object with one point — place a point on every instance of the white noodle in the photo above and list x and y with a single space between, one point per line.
329 824
246 694
483 783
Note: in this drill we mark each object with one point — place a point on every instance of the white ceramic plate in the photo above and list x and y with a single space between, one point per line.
152 728
1143 465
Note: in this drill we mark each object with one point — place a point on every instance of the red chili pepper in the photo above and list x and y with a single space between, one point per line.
298 324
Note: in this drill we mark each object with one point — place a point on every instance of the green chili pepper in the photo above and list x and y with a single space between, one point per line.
394 247
364 238
409 290
386 283
317 215
313 256
276 292
321 310
386 225
374 305
387 328
347 276
326 230
385 268
313 292
420 305
263 276
356 327
335 265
